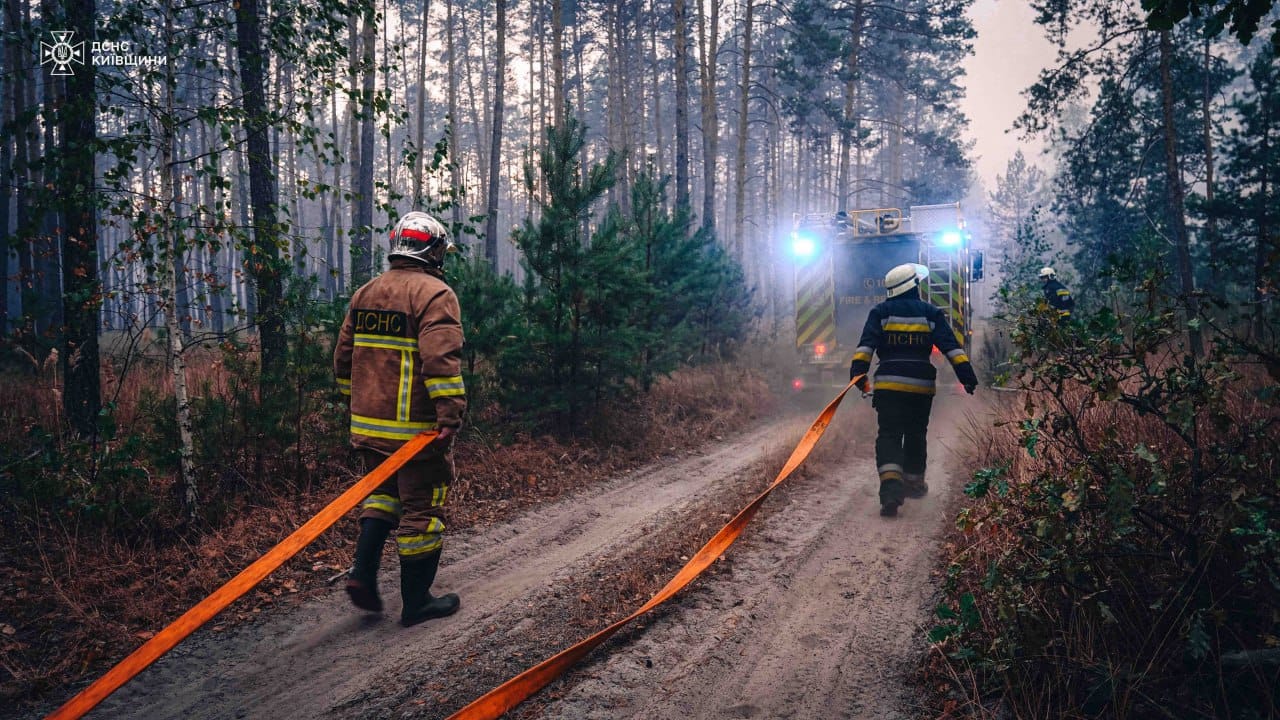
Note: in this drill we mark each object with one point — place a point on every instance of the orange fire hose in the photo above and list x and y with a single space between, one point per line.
179 629
519 688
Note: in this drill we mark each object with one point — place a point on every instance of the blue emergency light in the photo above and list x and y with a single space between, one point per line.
803 246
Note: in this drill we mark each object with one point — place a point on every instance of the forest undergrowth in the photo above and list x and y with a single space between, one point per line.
1118 554
97 554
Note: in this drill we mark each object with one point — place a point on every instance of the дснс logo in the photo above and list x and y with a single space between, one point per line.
62 52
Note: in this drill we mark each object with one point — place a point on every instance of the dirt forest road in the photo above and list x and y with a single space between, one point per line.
816 613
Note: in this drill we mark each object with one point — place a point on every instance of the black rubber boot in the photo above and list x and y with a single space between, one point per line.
891 494
362 579
416 576
916 487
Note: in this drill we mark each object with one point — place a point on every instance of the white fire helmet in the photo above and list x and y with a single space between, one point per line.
904 277
1047 273
418 236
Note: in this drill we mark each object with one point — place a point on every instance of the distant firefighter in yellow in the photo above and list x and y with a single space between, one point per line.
399 358
1057 294
903 330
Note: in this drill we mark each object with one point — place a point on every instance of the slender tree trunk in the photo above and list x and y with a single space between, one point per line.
7 140
558 101
241 299
1177 211
852 68
455 160
420 138
172 243
77 188
680 41
661 162
538 94
481 153
615 93
263 257
740 161
354 109
708 42
1211 219
294 222
495 142
580 77
362 247
48 248
24 144
1263 282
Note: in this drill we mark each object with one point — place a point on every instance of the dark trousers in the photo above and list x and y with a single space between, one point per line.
901 445
412 500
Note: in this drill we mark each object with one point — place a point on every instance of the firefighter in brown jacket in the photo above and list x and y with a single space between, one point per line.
399 359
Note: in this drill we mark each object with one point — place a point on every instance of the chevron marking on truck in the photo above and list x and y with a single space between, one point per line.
958 325
815 304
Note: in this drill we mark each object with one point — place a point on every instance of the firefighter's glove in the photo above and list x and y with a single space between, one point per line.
444 439
862 385
970 388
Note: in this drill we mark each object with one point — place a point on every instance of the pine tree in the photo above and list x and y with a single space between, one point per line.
578 345
1017 230
1253 170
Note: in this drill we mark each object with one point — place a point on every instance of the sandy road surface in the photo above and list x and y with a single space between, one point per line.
816 613
823 617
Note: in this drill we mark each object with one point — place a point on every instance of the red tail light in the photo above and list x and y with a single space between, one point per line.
819 349
797 384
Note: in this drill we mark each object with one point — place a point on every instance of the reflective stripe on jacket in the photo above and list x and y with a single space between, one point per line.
1059 298
903 331
399 357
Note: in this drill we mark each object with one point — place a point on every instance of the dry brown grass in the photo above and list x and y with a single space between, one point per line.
77 597
1142 645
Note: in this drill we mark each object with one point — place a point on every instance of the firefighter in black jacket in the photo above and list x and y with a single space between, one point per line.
902 331
1057 294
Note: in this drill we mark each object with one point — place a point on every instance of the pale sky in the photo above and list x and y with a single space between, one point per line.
1009 53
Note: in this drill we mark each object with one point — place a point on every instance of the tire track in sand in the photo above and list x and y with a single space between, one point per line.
823 615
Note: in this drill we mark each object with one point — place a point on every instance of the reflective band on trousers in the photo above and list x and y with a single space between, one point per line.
890 471
385 503
389 429
432 539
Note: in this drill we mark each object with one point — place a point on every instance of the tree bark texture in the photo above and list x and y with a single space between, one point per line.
264 251
495 141
1176 195
362 246
740 157
420 124
455 160
77 190
682 103
848 121
558 101
172 243
709 42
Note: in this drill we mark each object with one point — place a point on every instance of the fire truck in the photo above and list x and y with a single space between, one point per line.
840 260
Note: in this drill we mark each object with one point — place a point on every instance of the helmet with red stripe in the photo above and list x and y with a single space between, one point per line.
418 236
